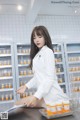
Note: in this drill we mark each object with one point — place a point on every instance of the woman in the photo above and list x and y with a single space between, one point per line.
43 66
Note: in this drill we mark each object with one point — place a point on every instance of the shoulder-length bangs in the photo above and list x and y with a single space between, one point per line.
38 32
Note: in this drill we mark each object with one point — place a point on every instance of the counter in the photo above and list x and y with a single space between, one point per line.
34 114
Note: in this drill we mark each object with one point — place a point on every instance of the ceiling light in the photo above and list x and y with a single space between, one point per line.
19 7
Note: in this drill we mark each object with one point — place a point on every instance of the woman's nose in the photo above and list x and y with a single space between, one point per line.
37 40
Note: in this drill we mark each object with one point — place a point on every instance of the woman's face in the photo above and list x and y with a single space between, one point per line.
39 41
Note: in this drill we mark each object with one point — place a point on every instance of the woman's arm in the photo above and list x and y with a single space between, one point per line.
31 83
49 79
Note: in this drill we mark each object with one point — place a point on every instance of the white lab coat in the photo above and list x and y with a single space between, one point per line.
45 79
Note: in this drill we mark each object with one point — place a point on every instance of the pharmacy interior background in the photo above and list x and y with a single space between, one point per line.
17 19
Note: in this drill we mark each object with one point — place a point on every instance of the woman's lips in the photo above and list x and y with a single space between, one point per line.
38 44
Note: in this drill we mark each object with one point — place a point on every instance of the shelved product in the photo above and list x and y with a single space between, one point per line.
72 54
60 65
7 77
15 70
23 71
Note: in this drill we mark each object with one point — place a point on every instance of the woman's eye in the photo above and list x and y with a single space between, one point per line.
40 36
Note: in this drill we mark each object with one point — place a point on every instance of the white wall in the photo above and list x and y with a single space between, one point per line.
13 28
61 28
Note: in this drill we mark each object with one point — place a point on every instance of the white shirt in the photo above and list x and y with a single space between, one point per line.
44 78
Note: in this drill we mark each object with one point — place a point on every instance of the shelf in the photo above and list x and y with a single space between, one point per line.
1 78
72 59
7 76
60 73
24 65
62 83
57 53
6 66
73 52
26 76
73 82
7 101
22 54
74 72
6 89
5 55
76 91
74 62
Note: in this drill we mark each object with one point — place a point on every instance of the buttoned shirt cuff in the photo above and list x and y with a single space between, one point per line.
28 85
38 95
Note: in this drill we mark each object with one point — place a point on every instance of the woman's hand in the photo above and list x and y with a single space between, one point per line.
31 101
22 89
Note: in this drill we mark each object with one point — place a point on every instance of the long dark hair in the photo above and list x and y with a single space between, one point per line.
40 31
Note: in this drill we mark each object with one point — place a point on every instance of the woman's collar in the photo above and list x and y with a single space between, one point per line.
43 47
